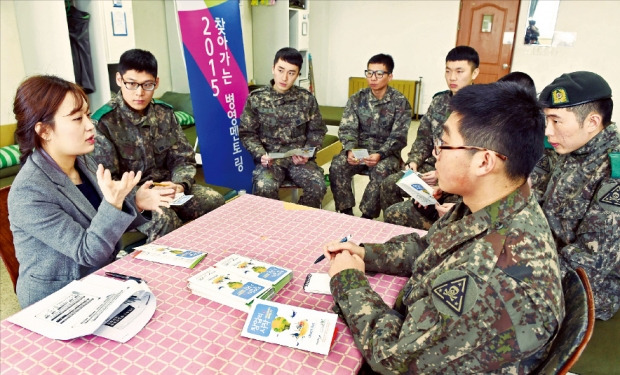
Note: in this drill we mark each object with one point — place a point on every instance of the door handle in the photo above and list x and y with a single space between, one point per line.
505 66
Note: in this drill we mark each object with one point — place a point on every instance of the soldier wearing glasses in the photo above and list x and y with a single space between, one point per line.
484 293
376 118
138 133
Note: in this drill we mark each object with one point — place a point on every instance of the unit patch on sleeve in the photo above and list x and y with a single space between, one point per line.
454 293
609 196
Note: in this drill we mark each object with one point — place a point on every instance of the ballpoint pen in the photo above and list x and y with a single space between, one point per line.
124 277
347 238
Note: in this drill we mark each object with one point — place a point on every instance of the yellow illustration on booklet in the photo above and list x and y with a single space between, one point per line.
291 326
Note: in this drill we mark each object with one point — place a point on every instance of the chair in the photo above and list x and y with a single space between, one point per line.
7 250
290 185
576 328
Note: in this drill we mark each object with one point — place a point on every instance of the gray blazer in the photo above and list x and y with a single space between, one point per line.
58 235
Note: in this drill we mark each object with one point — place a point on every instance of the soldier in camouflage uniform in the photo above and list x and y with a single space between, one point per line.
484 292
376 118
461 70
582 196
137 133
281 118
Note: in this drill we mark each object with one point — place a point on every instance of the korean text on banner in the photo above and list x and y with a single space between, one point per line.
213 48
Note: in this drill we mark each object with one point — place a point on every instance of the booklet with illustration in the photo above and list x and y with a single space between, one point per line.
419 190
291 326
237 281
107 307
168 255
307 152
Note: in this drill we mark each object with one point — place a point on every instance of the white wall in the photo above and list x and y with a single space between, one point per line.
11 63
151 35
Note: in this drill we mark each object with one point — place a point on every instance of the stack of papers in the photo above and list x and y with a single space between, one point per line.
106 307
169 255
237 281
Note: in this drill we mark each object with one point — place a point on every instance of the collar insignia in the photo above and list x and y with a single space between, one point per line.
452 293
612 196
558 96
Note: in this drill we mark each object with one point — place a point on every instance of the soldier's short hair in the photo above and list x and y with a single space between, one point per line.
503 117
464 53
603 107
289 55
522 79
384 59
138 60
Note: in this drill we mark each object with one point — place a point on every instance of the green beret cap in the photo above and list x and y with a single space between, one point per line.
573 89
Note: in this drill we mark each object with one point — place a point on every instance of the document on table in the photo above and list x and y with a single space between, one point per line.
106 307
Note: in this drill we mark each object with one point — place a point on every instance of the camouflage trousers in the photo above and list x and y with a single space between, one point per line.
341 174
266 181
205 199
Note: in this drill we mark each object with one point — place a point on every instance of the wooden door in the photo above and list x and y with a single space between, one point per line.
489 27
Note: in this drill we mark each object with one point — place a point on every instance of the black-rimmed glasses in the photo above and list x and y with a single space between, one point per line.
146 86
377 73
438 145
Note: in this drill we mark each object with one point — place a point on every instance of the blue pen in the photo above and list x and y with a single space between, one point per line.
347 238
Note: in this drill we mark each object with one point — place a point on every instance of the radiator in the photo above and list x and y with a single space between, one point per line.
411 90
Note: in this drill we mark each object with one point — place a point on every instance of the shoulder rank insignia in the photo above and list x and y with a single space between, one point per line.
454 292
558 96
611 197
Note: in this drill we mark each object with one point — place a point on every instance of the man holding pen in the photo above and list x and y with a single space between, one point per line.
484 292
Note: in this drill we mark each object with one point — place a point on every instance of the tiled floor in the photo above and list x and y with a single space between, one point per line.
8 300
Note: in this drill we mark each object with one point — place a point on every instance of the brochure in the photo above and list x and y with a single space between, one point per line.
180 199
291 326
307 152
417 188
169 255
360 153
107 307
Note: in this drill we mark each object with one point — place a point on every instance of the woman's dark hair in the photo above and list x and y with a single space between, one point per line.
37 100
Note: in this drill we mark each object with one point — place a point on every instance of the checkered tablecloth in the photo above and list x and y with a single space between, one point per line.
194 335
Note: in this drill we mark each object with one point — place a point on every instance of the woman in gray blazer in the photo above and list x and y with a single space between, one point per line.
67 214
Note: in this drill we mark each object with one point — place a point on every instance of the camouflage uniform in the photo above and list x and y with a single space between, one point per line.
380 126
156 145
484 294
539 178
582 204
407 213
274 122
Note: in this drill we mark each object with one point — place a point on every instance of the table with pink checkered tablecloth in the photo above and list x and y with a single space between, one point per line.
193 335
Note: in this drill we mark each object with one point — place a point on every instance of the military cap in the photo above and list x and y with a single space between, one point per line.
573 89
